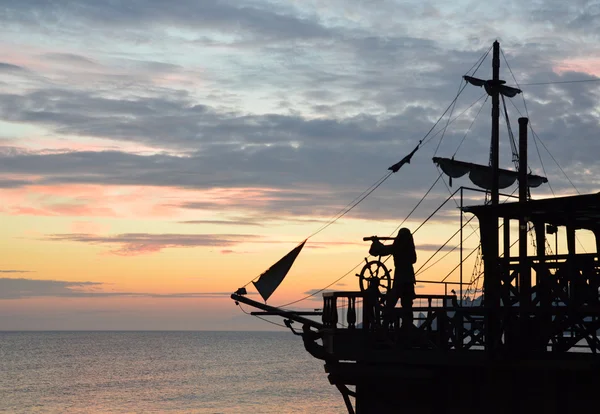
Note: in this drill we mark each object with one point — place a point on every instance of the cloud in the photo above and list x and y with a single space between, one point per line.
8 68
8 183
132 244
20 288
435 247
316 294
29 288
241 19
309 104
15 271
69 59
273 113
224 222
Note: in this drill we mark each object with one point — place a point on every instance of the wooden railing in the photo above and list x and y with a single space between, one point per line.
440 324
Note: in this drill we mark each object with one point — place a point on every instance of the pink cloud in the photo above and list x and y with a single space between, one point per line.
96 200
590 66
85 200
134 249
73 210
26 211
81 210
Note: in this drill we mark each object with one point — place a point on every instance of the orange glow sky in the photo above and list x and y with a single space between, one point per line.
153 162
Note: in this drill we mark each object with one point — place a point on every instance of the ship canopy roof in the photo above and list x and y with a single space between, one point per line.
580 211
481 175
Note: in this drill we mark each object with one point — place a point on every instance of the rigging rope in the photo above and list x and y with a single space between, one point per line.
478 64
424 141
480 61
378 183
537 138
440 175
464 225
536 146
455 118
261 318
464 259
558 82
353 204
543 83
443 245
456 267
417 206
511 136
450 115
472 122
362 261
448 252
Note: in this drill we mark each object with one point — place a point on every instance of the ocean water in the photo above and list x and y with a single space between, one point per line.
152 372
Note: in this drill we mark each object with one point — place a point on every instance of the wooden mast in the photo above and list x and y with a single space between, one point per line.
489 228
494 155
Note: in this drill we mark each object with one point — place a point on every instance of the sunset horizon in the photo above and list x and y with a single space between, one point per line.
153 161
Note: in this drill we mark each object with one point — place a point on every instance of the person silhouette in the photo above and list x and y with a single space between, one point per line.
403 288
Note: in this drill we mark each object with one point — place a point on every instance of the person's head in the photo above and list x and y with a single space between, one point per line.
405 237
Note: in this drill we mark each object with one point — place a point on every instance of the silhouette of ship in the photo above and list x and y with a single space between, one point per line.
528 343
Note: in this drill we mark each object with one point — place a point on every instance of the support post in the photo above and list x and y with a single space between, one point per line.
462 295
524 267
573 274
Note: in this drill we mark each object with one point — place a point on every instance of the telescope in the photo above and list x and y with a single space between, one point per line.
372 238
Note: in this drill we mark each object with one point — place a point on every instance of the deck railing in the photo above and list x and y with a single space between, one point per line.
442 325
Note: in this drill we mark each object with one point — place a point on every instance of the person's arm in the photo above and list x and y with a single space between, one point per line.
379 249
386 250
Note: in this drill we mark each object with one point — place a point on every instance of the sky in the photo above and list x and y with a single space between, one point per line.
155 156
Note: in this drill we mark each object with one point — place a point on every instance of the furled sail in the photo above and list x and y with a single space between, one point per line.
488 85
481 175
272 278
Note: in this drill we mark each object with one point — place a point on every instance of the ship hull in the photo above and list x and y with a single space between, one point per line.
509 386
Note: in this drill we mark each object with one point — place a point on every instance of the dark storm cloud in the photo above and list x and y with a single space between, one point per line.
32 288
231 17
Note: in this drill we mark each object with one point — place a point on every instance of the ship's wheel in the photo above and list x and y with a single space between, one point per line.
375 272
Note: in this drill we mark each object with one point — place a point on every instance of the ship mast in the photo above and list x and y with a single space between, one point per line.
491 281
495 121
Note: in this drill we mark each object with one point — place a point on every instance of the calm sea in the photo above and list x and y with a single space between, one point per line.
135 372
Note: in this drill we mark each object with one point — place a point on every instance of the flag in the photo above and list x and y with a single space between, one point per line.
270 280
399 164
